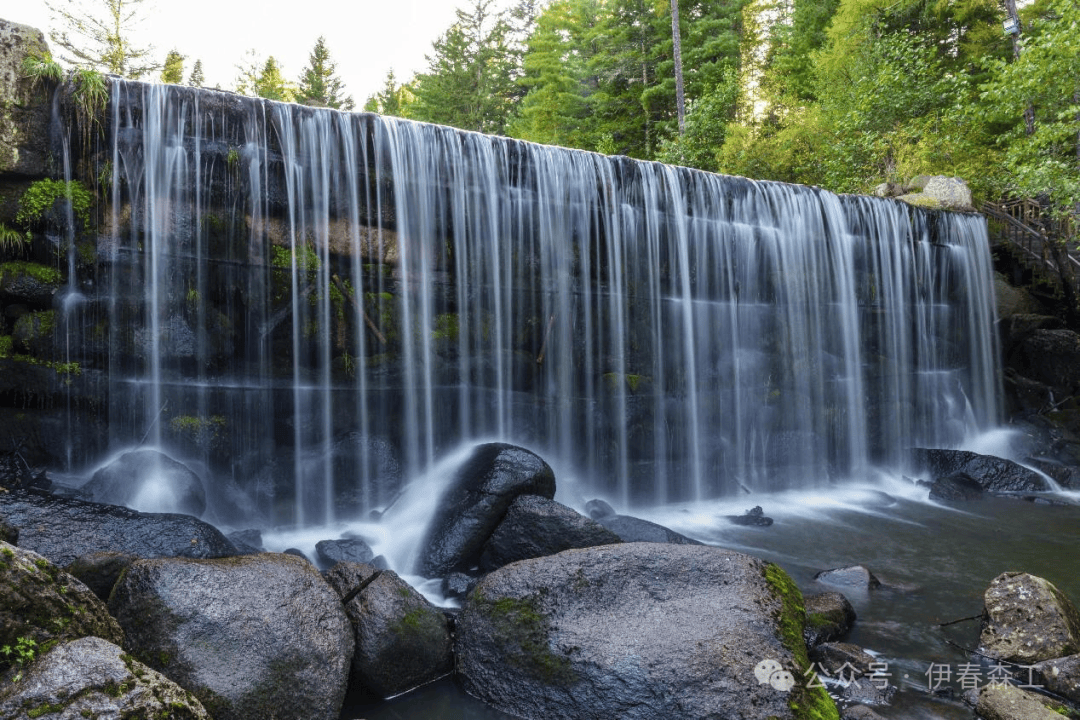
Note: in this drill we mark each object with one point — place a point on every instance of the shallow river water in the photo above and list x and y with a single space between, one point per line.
935 562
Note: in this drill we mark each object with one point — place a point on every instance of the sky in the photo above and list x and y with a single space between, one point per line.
366 38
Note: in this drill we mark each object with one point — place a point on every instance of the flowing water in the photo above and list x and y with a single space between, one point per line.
318 310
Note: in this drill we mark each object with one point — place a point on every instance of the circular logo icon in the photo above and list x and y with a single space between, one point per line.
765 669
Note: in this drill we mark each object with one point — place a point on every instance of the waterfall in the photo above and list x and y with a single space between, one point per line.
317 305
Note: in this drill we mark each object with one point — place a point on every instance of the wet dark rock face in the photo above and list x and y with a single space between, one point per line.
252 637
62 529
475 502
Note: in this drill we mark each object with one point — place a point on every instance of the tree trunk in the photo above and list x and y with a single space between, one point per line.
1029 111
676 38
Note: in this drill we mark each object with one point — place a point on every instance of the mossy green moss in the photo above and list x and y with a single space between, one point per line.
446 327
807 703
42 273
520 627
40 197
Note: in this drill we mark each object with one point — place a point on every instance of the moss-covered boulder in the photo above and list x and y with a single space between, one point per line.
1028 620
253 637
829 616
93 678
639 630
402 640
34 333
1007 702
29 283
41 605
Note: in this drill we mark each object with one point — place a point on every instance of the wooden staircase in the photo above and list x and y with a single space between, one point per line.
1039 242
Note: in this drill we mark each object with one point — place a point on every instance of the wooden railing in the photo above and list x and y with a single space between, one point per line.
1043 243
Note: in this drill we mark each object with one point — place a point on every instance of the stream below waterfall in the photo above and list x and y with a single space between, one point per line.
935 561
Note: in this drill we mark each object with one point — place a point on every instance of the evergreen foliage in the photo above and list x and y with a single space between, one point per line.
319 84
97 36
173 70
196 78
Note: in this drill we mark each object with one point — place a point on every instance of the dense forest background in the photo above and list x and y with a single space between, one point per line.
844 94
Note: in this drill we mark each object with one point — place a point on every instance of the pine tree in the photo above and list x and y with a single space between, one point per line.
470 78
98 37
173 70
196 79
259 78
319 85
391 100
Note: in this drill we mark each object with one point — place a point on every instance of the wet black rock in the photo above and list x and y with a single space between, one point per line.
597 509
476 500
842 661
253 637
402 640
148 479
62 529
855 577
330 552
634 630
535 527
42 603
458 584
100 571
632 529
93 678
956 487
247 542
859 712
829 616
993 474
755 516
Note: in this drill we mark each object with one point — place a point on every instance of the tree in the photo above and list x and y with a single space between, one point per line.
173 70
196 79
391 100
263 79
676 41
319 86
470 79
97 36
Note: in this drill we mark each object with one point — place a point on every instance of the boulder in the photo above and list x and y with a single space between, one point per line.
27 283
632 529
829 616
93 678
951 192
42 604
63 528
1008 702
247 542
1060 676
1028 620
402 640
475 501
842 660
24 124
638 630
597 509
958 486
754 517
859 712
993 474
331 552
150 481
535 526
253 637
100 571
855 577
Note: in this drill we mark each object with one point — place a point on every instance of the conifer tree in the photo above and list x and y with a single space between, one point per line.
196 79
97 35
173 70
319 85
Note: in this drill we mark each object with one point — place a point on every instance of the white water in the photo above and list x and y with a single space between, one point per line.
355 296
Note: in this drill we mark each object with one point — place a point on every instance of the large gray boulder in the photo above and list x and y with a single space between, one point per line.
150 481
62 529
252 637
638 630
42 604
536 527
1008 702
829 616
24 108
1060 676
93 678
402 640
474 504
1028 620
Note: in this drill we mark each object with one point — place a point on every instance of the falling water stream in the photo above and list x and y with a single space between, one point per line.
318 309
